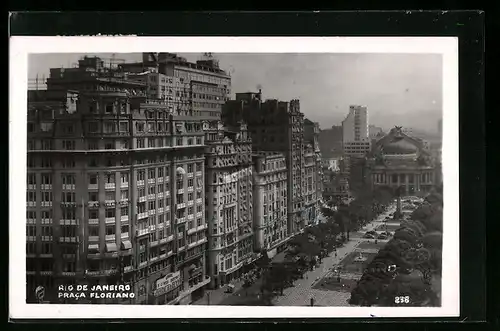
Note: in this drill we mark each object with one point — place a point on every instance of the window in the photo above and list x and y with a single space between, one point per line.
46 162
109 127
46 196
110 178
46 144
180 198
31 127
123 194
139 127
123 126
68 128
67 214
46 248
140 143
110 230
93 127
124 211
93 214
30 248
93 145
67 196
46 178
68 162
110 196
94 231
110 213
68 179
31 230
68 144
151 142
93 162
47 231
93 196
190 182
93 179
109 108
125 229
109 144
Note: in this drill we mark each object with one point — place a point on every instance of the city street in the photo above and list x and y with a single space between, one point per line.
301 293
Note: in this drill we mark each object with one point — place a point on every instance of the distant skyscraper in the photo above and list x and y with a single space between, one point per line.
355 133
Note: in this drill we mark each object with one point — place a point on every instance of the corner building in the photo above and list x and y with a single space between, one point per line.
229 202
276 126
115 186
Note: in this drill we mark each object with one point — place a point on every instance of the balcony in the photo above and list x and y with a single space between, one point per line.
190 175
93 221
152 227
31 187
66 222
199 214
124 185
191 245
154 243
46 204
160 195
110 220
128 268
159 180
181 205
66 204
198 173
31 204
167 193
170 238
142 232
151 197
124 202
181 220
68 239
160 210
140 182
110 186
47 238
46 186
201 241
142 215
93 186
190 203
199 201
110 237
152 212
93 238
123 218
160 226
110 203
124 235
68 186
31 238
93 204
142 199
180 191
191 231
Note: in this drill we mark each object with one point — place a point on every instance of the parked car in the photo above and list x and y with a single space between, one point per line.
382 237
369 236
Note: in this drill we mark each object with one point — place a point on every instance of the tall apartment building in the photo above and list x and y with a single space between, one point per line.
276 126
198 89
270 201
229 203
115 186
314 169
355 132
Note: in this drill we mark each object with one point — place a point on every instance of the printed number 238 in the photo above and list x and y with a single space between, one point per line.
402 299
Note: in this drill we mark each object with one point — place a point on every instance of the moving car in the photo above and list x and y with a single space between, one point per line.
369 236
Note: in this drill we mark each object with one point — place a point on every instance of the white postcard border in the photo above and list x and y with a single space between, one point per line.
20 47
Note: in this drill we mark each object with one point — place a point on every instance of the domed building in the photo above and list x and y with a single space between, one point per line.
398 160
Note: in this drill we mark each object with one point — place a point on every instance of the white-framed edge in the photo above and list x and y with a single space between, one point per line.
20 47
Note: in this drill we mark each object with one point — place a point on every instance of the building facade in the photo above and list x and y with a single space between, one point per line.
336 186
399 160
355 132
270 201
116 180
229 186
276 126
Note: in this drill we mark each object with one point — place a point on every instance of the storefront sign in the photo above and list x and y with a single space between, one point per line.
167 283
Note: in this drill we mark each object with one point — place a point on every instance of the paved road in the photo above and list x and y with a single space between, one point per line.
301 293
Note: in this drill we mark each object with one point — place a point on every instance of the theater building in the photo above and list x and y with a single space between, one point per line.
398 160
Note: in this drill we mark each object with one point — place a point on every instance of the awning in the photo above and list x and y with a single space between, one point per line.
126 244
93 247
111 247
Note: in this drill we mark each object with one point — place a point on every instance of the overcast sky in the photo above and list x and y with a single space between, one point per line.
398 89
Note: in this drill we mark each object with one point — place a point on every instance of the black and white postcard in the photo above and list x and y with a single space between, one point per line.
235 177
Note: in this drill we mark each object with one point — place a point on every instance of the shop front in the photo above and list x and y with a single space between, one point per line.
167 288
